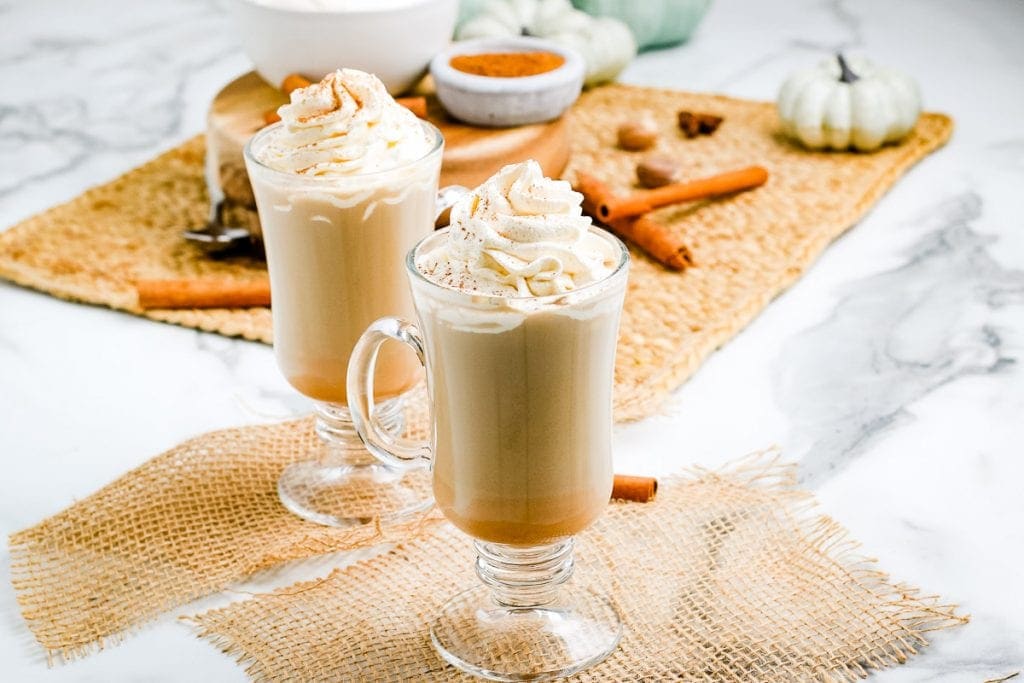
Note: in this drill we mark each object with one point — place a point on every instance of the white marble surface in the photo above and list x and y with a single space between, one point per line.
890 372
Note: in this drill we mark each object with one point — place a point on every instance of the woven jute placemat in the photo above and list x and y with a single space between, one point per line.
747 248
185 524
726 576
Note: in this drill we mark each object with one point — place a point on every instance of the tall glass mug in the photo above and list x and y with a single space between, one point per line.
521 397
334 248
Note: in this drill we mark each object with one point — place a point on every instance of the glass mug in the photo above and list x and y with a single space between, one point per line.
520 452
334 248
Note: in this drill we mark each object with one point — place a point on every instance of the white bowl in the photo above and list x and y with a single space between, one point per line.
494 101
394 40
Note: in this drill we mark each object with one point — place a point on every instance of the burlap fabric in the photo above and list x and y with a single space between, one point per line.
185 524
727 576
747 248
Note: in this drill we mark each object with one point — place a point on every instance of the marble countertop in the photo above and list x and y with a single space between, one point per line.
890 371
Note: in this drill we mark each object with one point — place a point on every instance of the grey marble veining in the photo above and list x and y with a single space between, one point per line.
894 337
842 15
115 91
892 370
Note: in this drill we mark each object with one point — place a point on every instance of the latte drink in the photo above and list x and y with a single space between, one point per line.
346 184
518 304
522 451
520 371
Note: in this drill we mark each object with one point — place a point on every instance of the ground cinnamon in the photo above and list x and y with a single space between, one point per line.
507 64
202 293
417 105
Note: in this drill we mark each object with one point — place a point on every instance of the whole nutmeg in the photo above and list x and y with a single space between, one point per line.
638 135
655 171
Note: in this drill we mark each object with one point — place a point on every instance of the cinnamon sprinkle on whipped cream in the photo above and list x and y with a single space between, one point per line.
346 124
519 234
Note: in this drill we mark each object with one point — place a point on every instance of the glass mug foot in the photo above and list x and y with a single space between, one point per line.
348 486
525 624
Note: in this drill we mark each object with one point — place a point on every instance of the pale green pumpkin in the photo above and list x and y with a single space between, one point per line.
655 23
469 9
848 103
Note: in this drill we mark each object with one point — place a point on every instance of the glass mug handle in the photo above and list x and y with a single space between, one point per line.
390 448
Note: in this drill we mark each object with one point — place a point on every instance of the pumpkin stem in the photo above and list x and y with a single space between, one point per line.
847 75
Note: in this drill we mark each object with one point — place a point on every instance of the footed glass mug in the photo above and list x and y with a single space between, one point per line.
334 249
521 399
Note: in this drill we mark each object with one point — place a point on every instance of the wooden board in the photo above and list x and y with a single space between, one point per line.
471 153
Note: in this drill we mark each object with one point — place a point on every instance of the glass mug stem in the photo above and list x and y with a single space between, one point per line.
524 577
345 485
333 424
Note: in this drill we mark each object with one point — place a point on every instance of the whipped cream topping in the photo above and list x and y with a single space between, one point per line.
344 125
519 235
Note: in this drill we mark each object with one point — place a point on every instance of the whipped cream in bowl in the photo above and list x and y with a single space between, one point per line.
519 235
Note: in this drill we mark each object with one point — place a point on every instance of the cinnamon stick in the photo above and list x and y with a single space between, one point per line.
646 233
294 82
202 293
637 489
417 105
655 239
593 190
644 201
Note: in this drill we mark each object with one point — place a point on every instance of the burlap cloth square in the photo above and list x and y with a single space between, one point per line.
205 514
747 248
730 573
727 576
185 524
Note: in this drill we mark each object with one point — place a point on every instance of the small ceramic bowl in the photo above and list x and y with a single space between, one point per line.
498 101
394 40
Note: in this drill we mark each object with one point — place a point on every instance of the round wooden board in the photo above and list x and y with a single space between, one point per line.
471 154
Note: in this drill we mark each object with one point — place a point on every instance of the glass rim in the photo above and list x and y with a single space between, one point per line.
268 130
620 268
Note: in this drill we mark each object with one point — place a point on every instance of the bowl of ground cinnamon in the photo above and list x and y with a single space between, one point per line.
500 82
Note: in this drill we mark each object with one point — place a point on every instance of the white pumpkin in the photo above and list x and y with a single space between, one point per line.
848 103
606 44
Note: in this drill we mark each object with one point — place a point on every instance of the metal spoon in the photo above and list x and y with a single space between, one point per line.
219 237
215 235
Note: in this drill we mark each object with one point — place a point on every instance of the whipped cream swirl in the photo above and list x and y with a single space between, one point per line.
343 125
519 235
